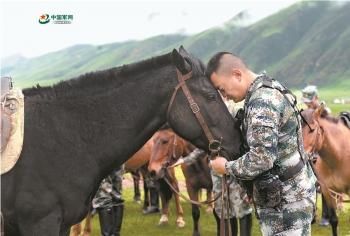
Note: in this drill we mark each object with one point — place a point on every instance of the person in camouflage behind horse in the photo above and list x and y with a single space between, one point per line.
283 183
109 203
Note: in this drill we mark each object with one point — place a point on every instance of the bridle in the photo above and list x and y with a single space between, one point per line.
165 167
214 145
313 154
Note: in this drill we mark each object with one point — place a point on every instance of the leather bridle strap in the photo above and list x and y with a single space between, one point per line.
214 145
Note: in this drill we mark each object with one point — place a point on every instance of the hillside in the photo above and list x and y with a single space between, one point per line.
305 43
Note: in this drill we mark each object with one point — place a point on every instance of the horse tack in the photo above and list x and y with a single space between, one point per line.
214 145
12 125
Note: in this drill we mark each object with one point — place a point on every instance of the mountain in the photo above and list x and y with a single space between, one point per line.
307 42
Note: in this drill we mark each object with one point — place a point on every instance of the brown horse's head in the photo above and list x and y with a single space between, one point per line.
167 148
312 130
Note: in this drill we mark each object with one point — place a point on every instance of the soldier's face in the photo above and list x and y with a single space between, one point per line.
231 86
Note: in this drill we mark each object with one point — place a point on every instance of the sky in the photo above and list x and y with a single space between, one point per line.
101 22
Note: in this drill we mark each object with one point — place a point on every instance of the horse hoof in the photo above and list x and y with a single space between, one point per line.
163 220
209 210
180 223
137 201
196 234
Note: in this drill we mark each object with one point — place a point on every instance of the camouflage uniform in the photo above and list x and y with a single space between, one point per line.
274 137
109 193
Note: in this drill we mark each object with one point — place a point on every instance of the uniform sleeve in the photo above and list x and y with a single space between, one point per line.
263 120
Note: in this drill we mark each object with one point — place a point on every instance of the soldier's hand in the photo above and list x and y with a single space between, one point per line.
218 165
178 162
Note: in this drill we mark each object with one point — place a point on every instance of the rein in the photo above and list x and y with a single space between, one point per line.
175 190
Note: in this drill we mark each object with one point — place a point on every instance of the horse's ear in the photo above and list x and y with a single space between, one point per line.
180 62
182 50
319 110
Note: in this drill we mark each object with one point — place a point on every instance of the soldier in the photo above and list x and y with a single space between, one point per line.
310 98
284 191
109 203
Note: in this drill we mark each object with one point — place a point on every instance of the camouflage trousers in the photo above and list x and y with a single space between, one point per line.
293 219
238 207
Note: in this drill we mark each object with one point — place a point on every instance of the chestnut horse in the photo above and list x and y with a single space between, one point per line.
137 162
330 138
167 146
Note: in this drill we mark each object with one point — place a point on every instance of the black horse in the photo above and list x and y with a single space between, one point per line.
77 131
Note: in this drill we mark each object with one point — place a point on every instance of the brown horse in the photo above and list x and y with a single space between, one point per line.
330 138
167 146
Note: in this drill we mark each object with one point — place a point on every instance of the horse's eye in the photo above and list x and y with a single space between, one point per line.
211 96
165 141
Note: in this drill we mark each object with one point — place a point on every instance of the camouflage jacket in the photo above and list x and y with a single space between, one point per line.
274 137
109 193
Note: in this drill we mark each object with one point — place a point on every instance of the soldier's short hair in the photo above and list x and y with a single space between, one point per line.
216 63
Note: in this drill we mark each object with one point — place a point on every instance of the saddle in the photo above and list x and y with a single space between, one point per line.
345 117
12 124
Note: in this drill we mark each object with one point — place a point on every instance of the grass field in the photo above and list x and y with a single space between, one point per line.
136 224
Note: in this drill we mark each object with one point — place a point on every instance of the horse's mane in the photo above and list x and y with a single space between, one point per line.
330 118
118 74
307 114
100 77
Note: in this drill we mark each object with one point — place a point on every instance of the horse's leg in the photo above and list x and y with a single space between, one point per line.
193 194
146 196
180 222
136 180
76 229
164 219
333 219
88 225
210 206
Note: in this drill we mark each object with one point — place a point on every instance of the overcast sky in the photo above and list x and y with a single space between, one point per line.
100 22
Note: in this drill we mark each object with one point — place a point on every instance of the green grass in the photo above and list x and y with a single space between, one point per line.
135 223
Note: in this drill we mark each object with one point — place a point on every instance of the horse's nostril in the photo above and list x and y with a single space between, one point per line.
153 174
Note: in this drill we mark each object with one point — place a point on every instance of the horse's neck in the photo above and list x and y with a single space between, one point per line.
114 124
335 149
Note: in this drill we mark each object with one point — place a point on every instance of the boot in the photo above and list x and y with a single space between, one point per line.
118 219
245 225
233 224
234 228
154 203
106 221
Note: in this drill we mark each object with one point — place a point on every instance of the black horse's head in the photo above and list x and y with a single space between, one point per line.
211 106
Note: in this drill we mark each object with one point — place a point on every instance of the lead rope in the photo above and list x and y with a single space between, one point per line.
225 204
